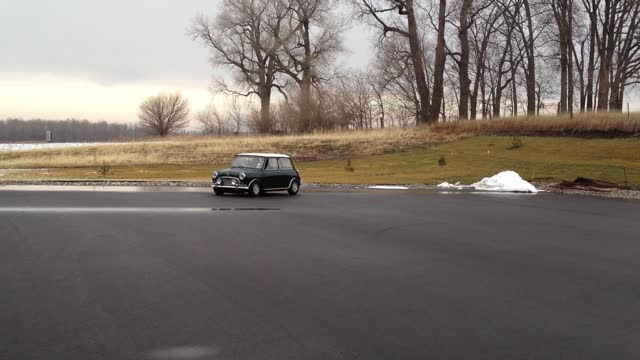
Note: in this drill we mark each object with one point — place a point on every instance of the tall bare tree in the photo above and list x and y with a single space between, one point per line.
245 37
561 12
466 20
482 32
164 113
307 57
381 16
438 69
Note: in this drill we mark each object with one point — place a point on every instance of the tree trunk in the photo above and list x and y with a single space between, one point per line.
514 86
580 70
615 103
593 29
463 64
305 85
484 98
570 78
497 99
531 63
265 111
438 76
604 85
561 16
606 57
418 65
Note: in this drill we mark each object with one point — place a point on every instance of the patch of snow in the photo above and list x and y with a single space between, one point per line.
18 147
506 181
456 186
388 187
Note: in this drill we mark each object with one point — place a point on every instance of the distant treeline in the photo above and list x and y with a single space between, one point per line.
71 130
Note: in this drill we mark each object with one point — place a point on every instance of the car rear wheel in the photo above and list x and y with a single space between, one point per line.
255 189
294 188
218 191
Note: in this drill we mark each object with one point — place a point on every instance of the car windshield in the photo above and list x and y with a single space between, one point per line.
253 162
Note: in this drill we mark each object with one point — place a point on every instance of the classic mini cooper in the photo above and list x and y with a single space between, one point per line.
257 173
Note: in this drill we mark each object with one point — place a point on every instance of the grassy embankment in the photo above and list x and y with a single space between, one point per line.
389 156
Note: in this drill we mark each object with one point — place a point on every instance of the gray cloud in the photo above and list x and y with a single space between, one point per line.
117 41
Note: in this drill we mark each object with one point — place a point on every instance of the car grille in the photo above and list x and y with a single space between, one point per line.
226 181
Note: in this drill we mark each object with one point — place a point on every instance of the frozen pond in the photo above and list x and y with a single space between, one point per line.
35 146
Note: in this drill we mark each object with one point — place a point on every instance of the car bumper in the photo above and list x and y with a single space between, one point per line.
230 187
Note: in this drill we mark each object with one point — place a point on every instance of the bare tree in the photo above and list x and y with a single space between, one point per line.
309 54
379 14
164 113
213 121
359 97
246 37
378 90
562 13
614 43
394 72
236 115
482 31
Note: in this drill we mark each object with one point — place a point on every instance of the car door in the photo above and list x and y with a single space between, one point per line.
287 172
271 172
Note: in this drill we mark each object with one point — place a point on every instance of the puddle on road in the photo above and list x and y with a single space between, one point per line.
155 210
247 209
99 188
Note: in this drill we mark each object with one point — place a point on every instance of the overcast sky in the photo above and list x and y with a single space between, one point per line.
98 60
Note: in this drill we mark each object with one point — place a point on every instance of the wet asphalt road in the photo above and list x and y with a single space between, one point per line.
102 275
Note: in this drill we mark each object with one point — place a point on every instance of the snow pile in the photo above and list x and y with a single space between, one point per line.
16 147
505 181
508 181
388 187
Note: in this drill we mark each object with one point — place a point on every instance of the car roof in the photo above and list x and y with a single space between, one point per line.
264 155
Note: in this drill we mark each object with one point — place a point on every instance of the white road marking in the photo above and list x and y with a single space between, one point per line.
388 187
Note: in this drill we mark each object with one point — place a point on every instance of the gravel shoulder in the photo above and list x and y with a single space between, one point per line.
547 187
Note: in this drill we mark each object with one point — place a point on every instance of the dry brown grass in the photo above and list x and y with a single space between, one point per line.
468 160
213 150
313 147
590 125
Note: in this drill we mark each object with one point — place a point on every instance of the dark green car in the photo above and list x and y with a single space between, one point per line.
256 173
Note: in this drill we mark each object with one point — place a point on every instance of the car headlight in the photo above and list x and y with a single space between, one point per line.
242 176
234 182
215 174
218 181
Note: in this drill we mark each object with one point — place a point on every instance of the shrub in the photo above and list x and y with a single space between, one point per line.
442 161
104 169
349 168
516 143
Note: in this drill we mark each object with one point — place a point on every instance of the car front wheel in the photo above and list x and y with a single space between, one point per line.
218 191
294 188
255 189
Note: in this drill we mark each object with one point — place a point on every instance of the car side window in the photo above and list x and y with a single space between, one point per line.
285 164
272 164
